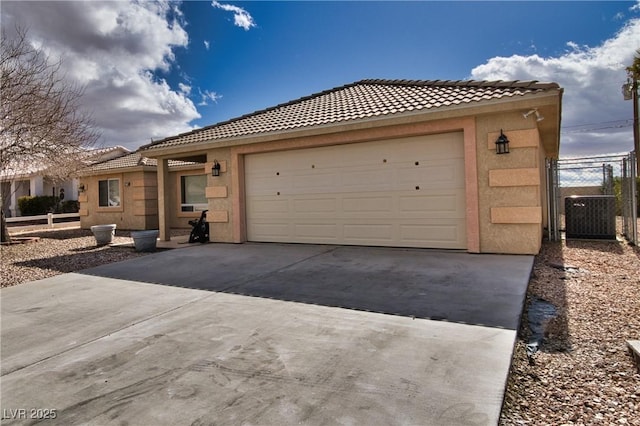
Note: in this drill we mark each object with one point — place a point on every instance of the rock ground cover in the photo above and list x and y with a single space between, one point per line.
54 252
582 373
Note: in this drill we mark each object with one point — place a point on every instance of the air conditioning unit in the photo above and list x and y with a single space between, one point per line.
590 217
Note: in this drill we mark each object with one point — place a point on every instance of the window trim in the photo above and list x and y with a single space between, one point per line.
179 175
119 208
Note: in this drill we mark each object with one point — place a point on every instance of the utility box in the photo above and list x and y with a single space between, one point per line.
590 217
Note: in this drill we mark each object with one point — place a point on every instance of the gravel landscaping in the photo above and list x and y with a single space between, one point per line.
581 373
54 252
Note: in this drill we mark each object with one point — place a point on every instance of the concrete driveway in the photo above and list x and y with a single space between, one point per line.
259 334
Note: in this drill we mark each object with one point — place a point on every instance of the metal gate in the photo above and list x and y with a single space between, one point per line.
553 200
629 197
593 176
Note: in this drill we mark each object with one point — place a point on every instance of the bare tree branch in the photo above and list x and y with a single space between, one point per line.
40 114
42 123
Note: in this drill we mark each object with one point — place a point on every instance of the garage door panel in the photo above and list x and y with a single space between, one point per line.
362 205
268 206
304 182
316 230
451 205
358 233
445 173
321 206
269 185
447 236
370 193
270 231
368 179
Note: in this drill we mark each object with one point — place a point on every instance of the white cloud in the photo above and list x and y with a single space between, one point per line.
241 18
206 44
184 88
113 49
592 78
208 96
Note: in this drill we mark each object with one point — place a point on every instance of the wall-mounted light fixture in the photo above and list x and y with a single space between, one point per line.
502 144
215 170
81 188
534 111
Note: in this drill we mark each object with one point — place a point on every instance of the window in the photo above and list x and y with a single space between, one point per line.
109 193
192 193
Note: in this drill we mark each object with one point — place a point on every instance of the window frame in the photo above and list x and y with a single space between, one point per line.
197 207
108 179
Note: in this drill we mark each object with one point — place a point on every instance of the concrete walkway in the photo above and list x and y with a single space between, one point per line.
102 347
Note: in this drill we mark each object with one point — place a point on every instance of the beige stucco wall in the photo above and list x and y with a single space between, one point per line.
505 194
139 201
223 215
177 218
510 186
505 203
219 194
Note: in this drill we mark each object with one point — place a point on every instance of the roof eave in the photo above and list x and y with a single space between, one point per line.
451 111
117 170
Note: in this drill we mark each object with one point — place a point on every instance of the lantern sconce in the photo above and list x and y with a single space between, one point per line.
215 170
81 188
502 144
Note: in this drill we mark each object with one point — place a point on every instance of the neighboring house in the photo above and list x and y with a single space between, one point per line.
33 180
124 191
376 162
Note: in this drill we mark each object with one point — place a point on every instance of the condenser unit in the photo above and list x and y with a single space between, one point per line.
590 217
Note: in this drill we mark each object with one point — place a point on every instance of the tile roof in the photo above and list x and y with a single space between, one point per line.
357 101
30 165
107 150
125 161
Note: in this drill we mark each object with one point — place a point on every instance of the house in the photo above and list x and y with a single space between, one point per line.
376 162
32 179
123 190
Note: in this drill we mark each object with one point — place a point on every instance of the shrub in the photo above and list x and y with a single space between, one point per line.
69 206
43 204
617 190
38 205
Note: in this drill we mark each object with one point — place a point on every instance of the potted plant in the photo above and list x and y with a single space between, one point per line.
145 240
104 233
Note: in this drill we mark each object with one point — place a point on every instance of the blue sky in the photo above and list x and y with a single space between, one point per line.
299 48
154 69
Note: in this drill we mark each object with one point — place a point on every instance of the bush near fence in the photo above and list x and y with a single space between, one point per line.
69 206
617 190
43 204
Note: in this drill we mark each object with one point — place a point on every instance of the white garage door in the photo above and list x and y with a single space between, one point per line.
404 192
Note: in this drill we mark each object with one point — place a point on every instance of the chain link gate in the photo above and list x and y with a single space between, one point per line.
593 176
553 199
629 196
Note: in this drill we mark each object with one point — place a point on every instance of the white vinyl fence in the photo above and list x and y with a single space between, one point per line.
49 217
